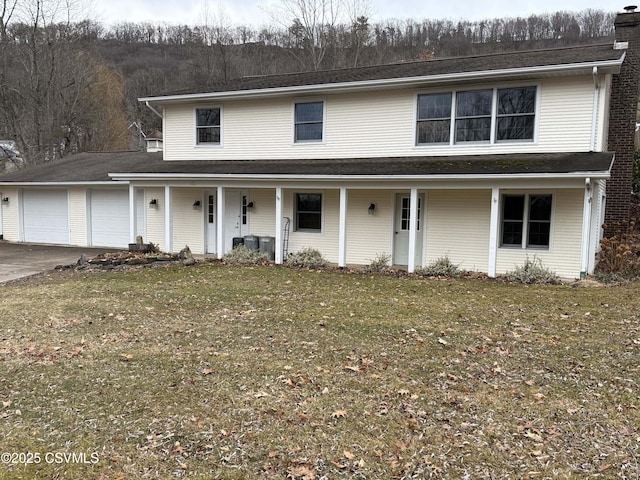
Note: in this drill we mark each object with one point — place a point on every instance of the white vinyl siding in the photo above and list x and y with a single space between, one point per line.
155 217
10 215
563 256
188 223
376 124
78 234
369 235
458 224
262 217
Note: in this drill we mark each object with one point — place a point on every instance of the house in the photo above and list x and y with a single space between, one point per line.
488 160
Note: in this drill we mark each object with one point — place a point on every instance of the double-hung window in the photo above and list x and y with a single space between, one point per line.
308 212
208 126
309 122
526 221
481 116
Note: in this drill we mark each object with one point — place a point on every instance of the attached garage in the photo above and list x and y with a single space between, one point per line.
46 216
109 217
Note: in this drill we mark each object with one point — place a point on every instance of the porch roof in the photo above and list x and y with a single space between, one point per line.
104 167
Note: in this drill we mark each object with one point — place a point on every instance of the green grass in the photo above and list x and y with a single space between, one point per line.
232 372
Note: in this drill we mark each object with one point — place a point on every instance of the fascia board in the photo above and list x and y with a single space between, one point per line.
108 183
509 73
354 178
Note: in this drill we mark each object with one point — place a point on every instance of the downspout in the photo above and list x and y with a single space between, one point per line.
596 98
586 229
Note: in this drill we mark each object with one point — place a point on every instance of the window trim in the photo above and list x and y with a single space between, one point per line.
294 139
295 211
196 127
526 220
494 117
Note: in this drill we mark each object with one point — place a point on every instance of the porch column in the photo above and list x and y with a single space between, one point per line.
167 219
279 245
413 229
132 214
220 222
586 229
342 235
494 231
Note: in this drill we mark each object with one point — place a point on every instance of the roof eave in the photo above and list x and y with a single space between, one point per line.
604 66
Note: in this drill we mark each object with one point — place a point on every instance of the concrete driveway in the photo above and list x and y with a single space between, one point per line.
19 260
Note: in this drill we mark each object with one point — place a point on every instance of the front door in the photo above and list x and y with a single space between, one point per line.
401 230
232 217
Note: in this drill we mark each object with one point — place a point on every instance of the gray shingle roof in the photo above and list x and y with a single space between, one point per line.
96 167
477 63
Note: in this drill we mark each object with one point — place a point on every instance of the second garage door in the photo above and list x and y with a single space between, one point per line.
109 218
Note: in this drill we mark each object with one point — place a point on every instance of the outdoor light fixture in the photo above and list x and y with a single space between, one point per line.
250 205
153 203
196 205
372 208
5 200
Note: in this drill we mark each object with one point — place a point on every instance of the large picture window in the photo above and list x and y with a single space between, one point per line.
309 120
308 212
208 126
526 220
481 116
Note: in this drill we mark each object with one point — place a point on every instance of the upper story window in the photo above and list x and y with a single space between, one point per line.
208 126
309 122
485 116
526 220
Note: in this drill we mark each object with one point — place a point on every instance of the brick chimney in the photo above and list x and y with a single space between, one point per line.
622 119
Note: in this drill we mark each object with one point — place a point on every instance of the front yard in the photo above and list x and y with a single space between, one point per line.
217 371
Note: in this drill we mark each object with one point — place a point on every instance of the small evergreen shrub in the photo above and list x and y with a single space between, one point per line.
442 267
307 257
533 271
245 256
379 264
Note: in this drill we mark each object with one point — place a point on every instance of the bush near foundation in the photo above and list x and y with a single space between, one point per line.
619 256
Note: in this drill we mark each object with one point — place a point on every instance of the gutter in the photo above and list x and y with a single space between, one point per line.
596 98
388 82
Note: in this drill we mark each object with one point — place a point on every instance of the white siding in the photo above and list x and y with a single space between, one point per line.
155 217
262 217
371 124
78 216
458 225
368 235
188 224
11 224
563 256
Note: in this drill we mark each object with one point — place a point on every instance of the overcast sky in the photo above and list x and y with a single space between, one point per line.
252 12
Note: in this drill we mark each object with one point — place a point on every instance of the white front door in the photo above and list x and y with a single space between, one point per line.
401 230
141 212
233 218
210 222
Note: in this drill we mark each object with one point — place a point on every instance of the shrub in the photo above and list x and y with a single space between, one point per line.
619 255
442 267
245 256
533 271
307 257
379 264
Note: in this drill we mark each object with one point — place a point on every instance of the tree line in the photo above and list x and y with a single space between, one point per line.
68 86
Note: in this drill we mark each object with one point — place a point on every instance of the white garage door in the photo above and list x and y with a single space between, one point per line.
110 218
46 216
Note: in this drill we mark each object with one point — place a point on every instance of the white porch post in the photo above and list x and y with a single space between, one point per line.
167 219
586 229
413 229
220 222
279 245
342 236
132 214
494 231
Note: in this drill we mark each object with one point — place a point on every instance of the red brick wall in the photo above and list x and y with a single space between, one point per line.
622 121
